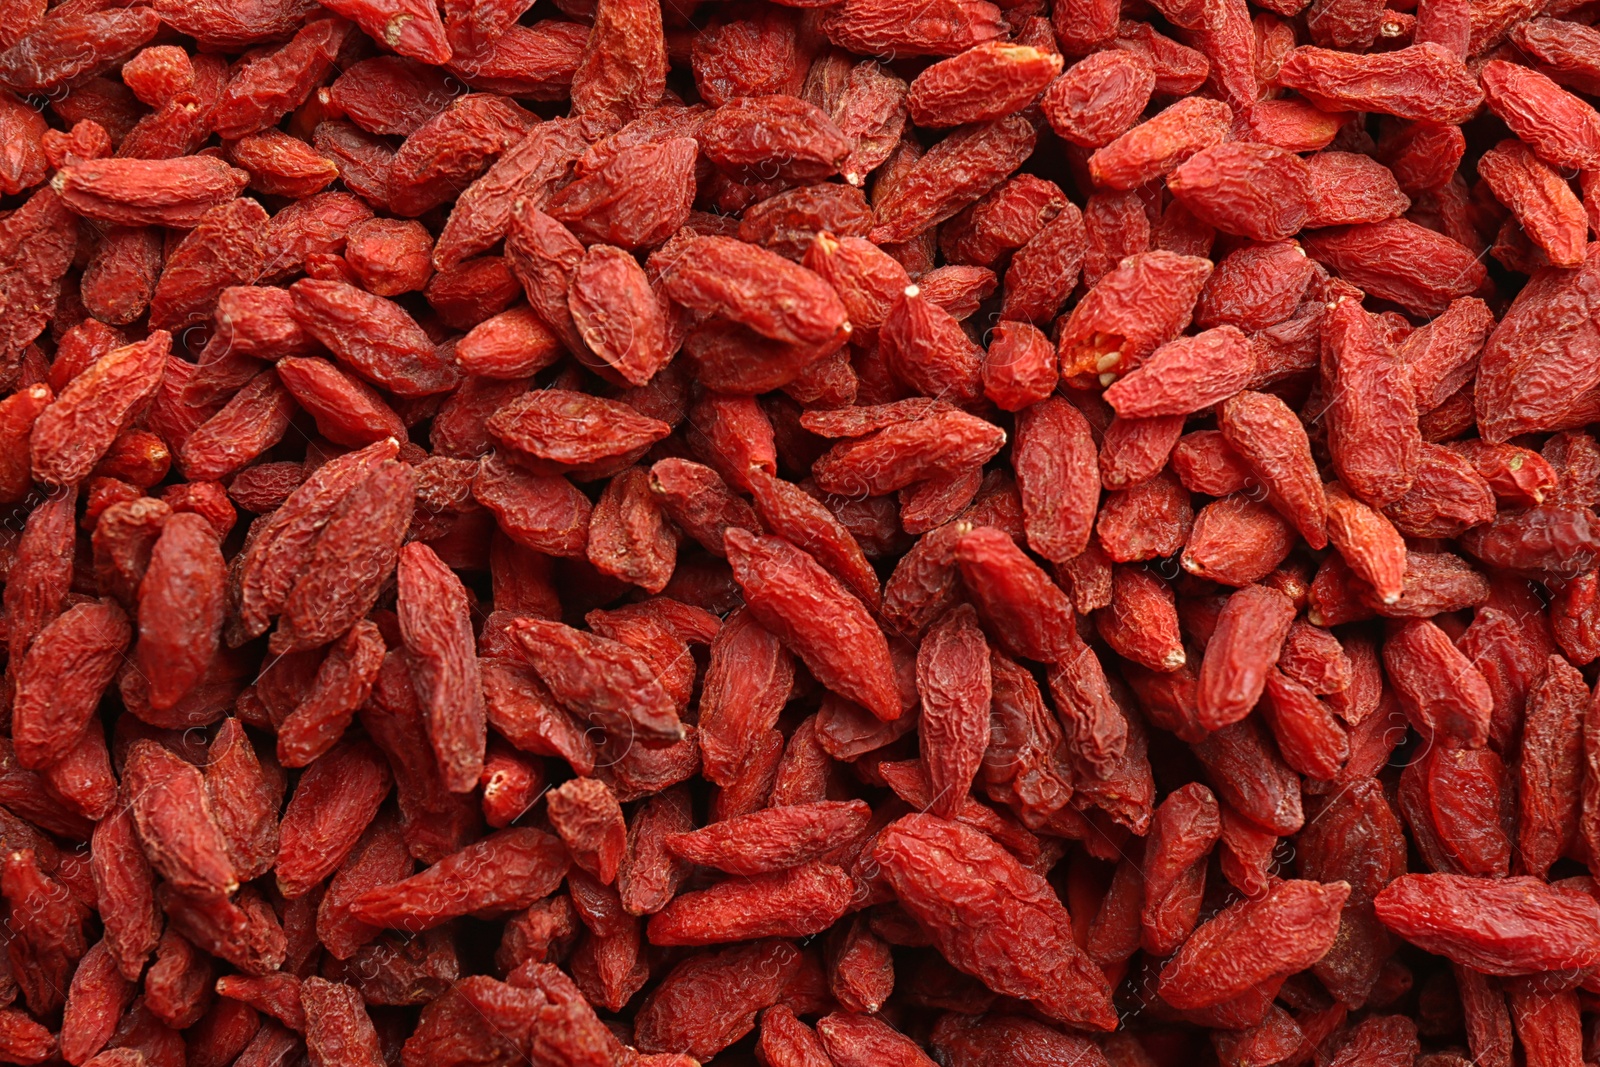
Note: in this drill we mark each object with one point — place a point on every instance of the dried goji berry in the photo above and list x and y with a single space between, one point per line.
932 865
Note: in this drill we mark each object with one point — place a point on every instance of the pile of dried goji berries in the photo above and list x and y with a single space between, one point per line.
893 533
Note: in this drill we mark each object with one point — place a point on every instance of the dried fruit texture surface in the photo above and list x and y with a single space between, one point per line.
800 533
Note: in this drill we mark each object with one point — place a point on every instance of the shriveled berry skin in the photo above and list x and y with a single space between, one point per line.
1261 430
1244 645
1306 912
955 687
374 336
444 666
934 865
983 83
1537 197
924 346
1369 543
790 136
602 680
744 979
1157 146
334 801
180 608
1255 191
141 192
1185 375
1146 301
1369 405
507 867
796 902
77 428
1099 97
1495 926
179 831
1419 660
356 550
942 30
817 618
958 171
1057 477
1029 614
72 661
1400 261
1349 188
1560 129
1422 81
771 839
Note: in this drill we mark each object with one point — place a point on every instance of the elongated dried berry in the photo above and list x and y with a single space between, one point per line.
444 665
935 868
791 595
